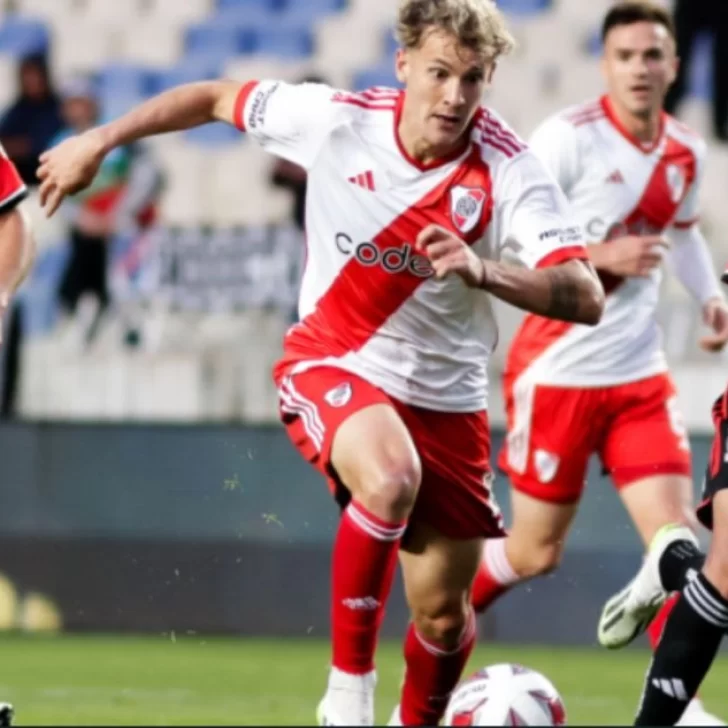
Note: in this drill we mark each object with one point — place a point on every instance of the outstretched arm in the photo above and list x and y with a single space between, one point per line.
569 291
72 165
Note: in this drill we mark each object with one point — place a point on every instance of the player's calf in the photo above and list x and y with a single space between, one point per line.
437 574
533 547
6 714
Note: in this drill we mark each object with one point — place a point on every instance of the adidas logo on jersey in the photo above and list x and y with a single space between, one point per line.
616 177
365 180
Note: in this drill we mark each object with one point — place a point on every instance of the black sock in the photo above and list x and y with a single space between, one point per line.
689 643
676 564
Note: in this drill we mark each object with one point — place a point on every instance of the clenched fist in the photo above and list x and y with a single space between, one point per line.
447 254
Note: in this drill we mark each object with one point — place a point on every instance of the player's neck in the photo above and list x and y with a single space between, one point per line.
646 129
420 150
415 147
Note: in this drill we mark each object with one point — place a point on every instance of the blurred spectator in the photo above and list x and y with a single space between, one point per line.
693 17
120 201
292 177
33 120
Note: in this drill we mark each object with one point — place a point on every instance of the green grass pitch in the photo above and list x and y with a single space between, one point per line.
194 680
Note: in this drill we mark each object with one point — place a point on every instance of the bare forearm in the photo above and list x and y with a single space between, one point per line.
599 255
179 108
569 292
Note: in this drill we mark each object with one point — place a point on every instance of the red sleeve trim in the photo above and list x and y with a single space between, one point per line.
240 101
685 224
13 199
561 255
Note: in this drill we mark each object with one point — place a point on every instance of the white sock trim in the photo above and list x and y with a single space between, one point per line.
706 605
467 636
496 562
360 518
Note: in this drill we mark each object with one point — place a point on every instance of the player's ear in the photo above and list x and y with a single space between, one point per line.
489 71
401 65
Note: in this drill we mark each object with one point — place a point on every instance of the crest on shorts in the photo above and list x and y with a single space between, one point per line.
546 465
466 205
675 181
339 396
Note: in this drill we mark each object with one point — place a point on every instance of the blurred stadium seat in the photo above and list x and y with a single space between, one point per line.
8 80
250 5
525 7
381 75
82 47
22 36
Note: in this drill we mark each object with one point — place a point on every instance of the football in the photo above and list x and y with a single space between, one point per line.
506 694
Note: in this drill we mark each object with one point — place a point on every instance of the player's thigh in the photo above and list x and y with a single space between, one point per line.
647 454
716 563
655 501
350 431
538 532
374 455
552 431
438 573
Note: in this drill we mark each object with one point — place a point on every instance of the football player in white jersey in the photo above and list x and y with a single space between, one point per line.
631 174
418 201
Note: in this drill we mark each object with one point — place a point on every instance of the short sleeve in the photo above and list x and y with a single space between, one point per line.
291 121
689 212
533 221
12 188
556 144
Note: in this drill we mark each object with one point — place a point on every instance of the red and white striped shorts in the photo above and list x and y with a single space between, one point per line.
454 448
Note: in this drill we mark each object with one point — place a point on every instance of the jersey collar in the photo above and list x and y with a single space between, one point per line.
644 147
435 163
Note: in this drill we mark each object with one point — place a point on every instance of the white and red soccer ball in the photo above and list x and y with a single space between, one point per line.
508 695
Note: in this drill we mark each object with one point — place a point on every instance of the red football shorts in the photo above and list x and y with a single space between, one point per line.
635 428
454 448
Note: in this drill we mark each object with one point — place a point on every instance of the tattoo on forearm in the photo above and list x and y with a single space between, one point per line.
564 303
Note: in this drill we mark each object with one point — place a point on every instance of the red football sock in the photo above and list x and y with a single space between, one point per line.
495 575
432 674
654 631
364 560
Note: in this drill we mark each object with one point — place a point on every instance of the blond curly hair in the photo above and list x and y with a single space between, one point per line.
476 24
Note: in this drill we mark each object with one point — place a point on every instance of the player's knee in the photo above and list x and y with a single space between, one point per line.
540 560
443 621
392 490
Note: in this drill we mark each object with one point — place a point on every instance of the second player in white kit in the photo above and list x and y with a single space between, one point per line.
632 175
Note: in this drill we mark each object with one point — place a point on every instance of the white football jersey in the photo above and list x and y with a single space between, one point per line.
616 186
368 301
